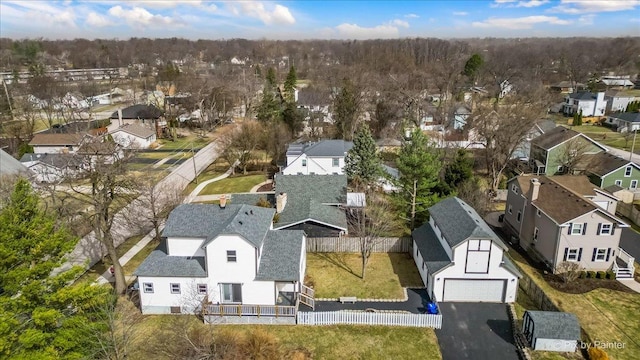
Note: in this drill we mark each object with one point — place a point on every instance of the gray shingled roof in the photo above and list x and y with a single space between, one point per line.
308 196
10 166
554 325
546 125
602 163
280 259
158 263
433 254
583 95
208 221
135 130
139 112
458 222
328 148
632 117
60 161
509 265
554 137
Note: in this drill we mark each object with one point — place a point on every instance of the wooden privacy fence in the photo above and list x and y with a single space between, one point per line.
368 318
540 299
352 244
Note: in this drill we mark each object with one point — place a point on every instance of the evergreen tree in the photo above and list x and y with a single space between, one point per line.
271 78
459 170
472 67
346 106
362 164
577 118
419 167
290 85
41 316
292 118
269 107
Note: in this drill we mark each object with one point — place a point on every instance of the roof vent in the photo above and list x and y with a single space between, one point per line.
246 213
240 222
251 212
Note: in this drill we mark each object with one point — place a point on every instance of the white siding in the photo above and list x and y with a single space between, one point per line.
555 345
185 246
161 300
130 141
54 149
315 165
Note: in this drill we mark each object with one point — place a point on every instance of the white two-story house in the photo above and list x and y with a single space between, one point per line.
217 258
460 258
324 157
587 103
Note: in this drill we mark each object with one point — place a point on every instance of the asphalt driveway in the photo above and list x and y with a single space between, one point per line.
477 331
630 242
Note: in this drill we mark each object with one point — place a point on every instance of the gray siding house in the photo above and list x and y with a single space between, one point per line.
561 220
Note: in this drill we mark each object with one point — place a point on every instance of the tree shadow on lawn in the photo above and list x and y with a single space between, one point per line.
339 260
405 268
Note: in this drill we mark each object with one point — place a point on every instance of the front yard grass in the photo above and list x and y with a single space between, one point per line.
217 168
606 315
338 274
101 266
607 136
322 342
184 143
235 184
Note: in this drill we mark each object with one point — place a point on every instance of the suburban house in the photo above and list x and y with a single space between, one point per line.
324 157
317 102
52 168
617 101
460 116
145 115
606 169
551 330
559 148
617 82
539 128
587 103
313 203
566 87
211 256
581 185
103 151
556 224
460 258
9 166
624 122
57 143
133 136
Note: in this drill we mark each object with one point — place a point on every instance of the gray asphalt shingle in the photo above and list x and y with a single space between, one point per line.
554 325
159 263
433 254
281 254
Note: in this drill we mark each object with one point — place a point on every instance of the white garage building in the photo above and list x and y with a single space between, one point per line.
461 259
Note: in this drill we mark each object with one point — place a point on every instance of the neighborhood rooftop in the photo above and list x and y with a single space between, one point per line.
583 95
139 112
59 161
555 325
57 139
159 263
603 163
280 259
326 148
136 130
632 117
554 137
578 184
9 165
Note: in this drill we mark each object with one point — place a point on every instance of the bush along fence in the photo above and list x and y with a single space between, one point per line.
369 318
352 244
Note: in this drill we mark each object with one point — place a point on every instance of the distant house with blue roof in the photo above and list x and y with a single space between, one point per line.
461 259
219 257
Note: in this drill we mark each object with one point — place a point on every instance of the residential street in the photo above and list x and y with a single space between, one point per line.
89 251
625 154
477 331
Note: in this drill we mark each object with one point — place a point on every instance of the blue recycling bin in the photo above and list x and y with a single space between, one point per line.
432 308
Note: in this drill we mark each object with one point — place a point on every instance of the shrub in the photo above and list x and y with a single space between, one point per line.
591 274
568 271
596 353
601 274
611 275
583 274
261 345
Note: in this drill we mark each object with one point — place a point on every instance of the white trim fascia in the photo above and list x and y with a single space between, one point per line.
310 219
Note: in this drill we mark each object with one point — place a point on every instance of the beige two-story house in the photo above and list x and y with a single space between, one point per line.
558 219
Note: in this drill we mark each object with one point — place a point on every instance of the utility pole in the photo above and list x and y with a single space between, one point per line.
633 145
193 157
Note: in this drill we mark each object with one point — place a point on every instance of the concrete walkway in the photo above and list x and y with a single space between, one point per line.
631 284
255 188
106 277
416 302
216 197
194 194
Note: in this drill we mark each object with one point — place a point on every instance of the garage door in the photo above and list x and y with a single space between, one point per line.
474 290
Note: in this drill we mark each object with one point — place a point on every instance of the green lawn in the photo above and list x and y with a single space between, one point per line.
318 342
101 266
184 143
217 168
236 184
338 274
608 137
606 315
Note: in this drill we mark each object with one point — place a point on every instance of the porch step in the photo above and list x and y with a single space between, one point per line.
624 274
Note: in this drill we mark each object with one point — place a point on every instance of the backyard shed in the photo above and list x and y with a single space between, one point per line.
551 330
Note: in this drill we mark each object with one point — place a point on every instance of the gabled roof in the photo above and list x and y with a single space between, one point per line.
545 125
41 139
554 325
280 259
582 95
139 112
433 254
313 97
577 183
601 164
135 130
632 117
324 148
557 136
308 198
209 221
98 148
10 166
159 263
60 161
458 222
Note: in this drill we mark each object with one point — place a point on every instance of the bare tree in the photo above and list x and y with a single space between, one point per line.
568 270
240 144
369 223
574 155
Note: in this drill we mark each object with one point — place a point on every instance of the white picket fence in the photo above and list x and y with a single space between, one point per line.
368 318
352 245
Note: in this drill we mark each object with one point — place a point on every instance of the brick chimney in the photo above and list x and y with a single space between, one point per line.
223 201
281 202
534 190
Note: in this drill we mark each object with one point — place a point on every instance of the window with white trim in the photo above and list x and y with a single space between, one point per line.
627 171
175 288
535 234
634 184
147 287
601 255
231 256
539 212
576 228
335 162
304 162
605 229
572 254
514 188
202 289
519 216
618 182
560 168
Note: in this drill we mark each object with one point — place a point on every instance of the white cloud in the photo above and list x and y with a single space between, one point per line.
277 14
531 3
40 12
97 20
138 17
164 4
634 20
586 19
594 6
353 31
412 16
398 22
526 22
460 13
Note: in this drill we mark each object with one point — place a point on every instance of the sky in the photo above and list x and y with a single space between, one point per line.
316 19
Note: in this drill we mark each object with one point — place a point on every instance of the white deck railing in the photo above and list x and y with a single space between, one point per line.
249 310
